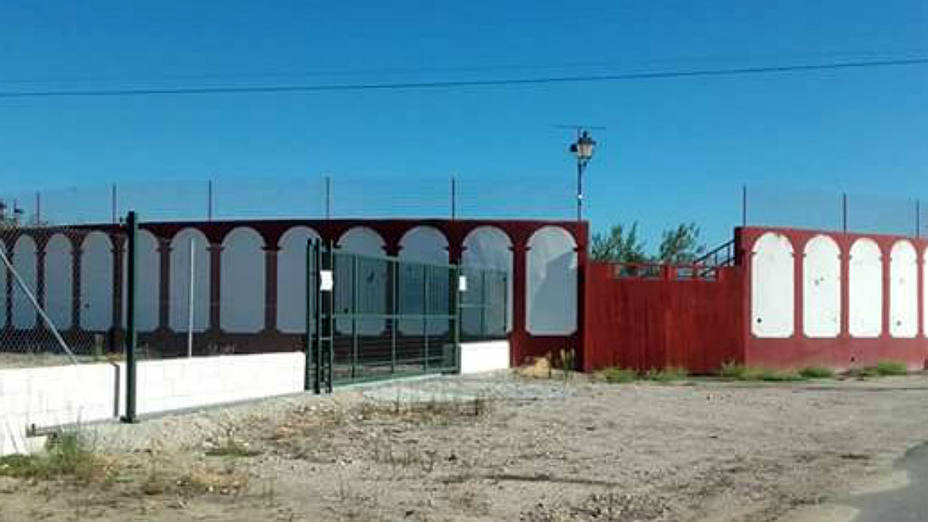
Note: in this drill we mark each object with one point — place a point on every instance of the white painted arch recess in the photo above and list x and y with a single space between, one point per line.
24 263
291 279
97 282
371 276
242 275
903 290
865 289
772 294
821 288
148 283
551 303
58 284
185 241
488 247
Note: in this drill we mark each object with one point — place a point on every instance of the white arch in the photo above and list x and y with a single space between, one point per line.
821 287
424 244
903 290
925 291
96 282
772 293
242 282
58 284
181 247
361 240
485 248
551 301
24 262
148 282
291 279
865 289
372 294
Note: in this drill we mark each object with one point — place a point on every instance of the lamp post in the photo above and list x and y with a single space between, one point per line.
583 151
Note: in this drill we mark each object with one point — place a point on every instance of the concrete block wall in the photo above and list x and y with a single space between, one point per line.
55 395
61 395
174 384
484 356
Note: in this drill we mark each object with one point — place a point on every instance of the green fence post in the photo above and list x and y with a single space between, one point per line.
425 316
132 228
395 314
483 303
312 310
456 301
354 316
505 303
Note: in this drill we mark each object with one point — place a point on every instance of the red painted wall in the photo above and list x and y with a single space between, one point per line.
844 351
663 322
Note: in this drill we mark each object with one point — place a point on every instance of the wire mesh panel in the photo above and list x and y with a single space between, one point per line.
397 317
484 304
778 206
58 297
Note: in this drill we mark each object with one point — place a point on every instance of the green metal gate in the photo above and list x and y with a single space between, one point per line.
382 317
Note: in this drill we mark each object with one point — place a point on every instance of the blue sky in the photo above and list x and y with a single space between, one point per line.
674 150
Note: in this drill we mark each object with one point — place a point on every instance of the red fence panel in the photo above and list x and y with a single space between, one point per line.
643 318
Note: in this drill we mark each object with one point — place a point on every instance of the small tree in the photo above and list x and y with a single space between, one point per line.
618 246
681 245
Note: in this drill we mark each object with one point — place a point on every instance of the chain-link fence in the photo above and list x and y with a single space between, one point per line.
310 196
778 206
58 300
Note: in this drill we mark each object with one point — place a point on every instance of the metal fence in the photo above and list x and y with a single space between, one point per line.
57 304
310 196
387 316
779 206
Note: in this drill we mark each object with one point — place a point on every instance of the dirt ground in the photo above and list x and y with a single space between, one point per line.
496 448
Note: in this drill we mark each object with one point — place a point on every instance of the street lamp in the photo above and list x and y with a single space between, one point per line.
583 150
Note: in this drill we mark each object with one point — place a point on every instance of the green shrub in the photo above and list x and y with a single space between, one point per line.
740 372
817 372
617 375
732 370
891 368
66 454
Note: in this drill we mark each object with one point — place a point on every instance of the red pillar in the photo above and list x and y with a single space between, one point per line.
798 273
215 271
164 284
519 335
270 287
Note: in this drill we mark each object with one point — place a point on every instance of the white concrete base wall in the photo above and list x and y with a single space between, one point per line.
174 384
54 395
484 356
59 395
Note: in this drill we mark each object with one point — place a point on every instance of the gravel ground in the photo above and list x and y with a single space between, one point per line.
497 448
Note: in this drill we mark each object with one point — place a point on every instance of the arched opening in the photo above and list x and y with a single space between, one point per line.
291 279
551 302
821 288
186 243
148 282
426 245
772 286
24 263
242 282
486 261
360 258
59 302
865 289
903 290
97 282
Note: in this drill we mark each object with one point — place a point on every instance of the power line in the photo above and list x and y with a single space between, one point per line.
445 84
